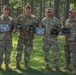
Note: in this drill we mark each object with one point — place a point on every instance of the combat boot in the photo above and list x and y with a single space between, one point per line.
47 67
7 67
57 68
18 65
26 65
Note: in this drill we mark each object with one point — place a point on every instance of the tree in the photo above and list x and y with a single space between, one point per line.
44 8
32 3
66 15
75 4
0 7
40 10
5 2
56 8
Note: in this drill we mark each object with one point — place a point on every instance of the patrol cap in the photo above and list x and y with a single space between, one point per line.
72 10
49 10
28 7
6 7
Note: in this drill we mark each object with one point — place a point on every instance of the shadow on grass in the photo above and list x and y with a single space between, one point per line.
32 71
9 72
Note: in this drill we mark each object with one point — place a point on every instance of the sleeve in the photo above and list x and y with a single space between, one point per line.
66 24
12 25
75 31
19 18
58 25
37 22
19 22
42 24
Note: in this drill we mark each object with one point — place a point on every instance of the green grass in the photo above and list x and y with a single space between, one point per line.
36 62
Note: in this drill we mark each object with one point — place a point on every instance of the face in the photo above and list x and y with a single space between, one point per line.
49 14
5 11
27 11
72 14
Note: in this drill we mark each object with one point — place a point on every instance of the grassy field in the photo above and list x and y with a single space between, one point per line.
37 60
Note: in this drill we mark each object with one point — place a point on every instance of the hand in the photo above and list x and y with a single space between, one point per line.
14 30
18 30
31 32
66 35
53 35
75 42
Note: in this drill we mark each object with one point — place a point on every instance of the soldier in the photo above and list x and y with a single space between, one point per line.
70 43
48 23
25 38
6 27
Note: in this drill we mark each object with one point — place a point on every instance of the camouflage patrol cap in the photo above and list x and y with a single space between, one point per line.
72 10
6 7
49 10
28 7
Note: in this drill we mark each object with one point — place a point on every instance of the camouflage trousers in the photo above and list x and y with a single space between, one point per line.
46 47
28 47
70 53
5 49
73 53
67 52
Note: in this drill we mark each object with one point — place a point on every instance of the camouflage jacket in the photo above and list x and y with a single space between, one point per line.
50 23
25 21
7 21
71 23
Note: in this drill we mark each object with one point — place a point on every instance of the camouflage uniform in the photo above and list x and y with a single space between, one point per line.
6 39
71 47
67 51
25 38
49 40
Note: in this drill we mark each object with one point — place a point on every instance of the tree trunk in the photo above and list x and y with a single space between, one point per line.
5 2
75 4
24 2
66 15
18 11
50 3
40 10
56 8
31 3
0 7
44 9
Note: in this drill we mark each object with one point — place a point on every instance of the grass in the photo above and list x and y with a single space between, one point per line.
36 62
